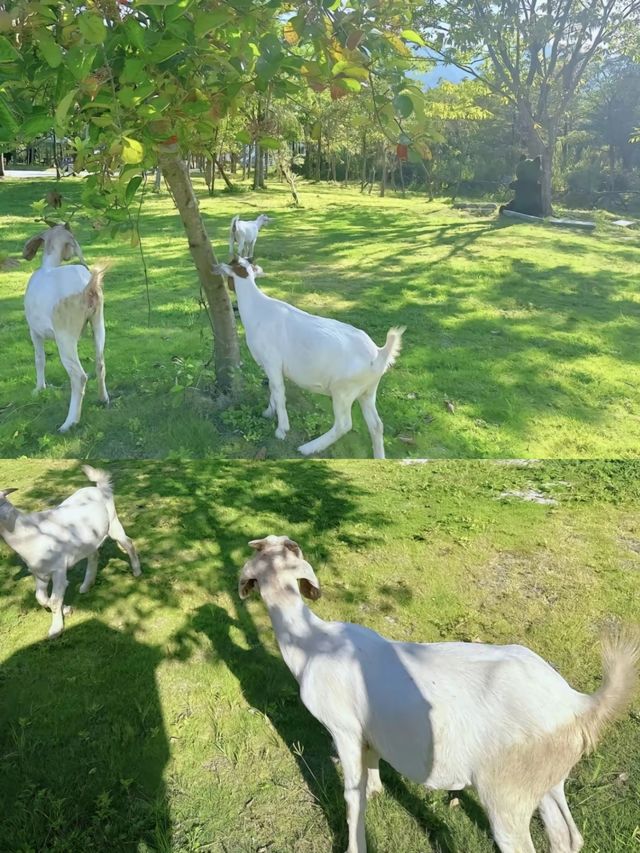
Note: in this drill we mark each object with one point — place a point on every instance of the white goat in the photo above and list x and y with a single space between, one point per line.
54 540
58 303
448 715
245 233
317 353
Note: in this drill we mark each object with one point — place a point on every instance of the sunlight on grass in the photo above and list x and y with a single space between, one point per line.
529 330
164 718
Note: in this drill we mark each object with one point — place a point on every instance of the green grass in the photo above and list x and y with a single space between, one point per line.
531 331
164 718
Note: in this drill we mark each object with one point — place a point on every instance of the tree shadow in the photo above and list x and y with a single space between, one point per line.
83 744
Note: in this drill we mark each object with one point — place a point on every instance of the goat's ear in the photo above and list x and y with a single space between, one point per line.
222 269
258 544
257 270
67 227
6 492
32 246
307 580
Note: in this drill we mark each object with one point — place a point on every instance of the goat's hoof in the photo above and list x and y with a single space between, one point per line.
67 610
54 632
104 400
306 449
66 426
137 571
84 589
268 413
38 389
281 433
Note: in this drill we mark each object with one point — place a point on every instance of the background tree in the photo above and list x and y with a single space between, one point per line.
535 55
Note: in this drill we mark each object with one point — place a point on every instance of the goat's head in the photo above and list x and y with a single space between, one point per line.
57 240
238 269
4 493
263 219
278 570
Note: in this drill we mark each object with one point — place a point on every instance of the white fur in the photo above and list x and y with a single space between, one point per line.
58 303
447 715
245 233
319 354
54 540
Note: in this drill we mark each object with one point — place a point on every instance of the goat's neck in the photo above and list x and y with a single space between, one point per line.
52 258
297 630
249 295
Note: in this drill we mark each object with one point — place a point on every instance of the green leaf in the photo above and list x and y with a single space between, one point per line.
35 126
132 150
413 36
64 106
207 21
135 33
79 60
92 27
133 71
269 142
8 53
7 119
51 51
243 136
403 105
132 187
165 49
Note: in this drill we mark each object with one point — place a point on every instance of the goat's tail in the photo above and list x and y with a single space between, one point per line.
102 479
391 350
232 234
620 661
71 314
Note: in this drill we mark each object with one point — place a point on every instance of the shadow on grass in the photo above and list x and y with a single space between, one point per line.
82 744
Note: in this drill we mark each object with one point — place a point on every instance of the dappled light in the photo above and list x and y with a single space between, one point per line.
529 330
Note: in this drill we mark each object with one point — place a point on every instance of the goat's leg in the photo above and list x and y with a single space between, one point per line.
279 401
374 782
564 835
90 574
56 603
341 426
374 423
354 769
509 815
270 411
40 359
117 532
97 324
42 592
68 349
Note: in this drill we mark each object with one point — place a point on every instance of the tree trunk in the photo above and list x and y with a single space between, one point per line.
1 165
612 167
223 174
383 180
209 175
258 175
157 183
226 351
319 157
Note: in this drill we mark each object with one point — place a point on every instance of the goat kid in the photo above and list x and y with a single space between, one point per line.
447 715
317 353
59 301
54 540
244 233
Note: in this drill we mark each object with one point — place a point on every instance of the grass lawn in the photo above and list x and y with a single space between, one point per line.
532 332
164 719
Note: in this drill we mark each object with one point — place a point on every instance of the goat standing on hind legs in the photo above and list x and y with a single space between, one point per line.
58 303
